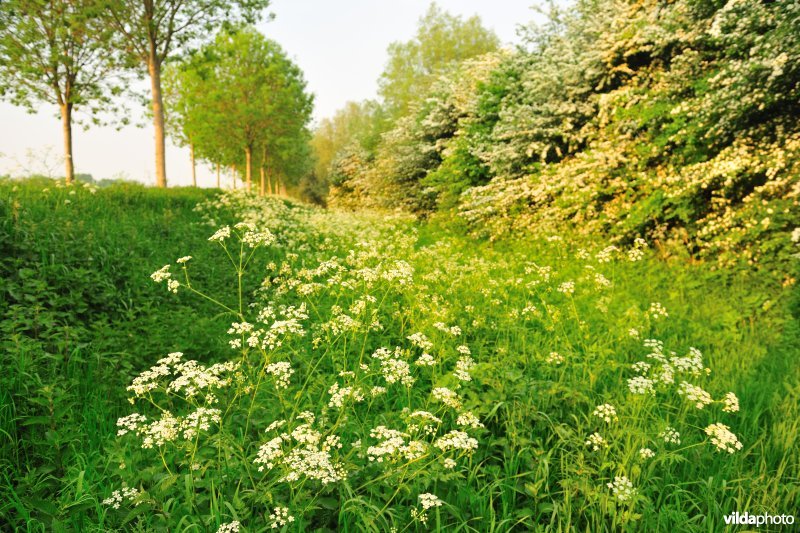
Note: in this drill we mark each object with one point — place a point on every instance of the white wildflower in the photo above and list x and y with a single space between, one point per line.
606 412
646 453
280 517
695 394
568 288
467 419
657 311
731 403
596 442
722 438
425 359
446 396
221 234
428 500
456 440
641 385
670 435
621 488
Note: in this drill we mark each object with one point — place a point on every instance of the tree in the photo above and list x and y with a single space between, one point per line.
153 30
240 101
57 52
356 122
442 42
187 110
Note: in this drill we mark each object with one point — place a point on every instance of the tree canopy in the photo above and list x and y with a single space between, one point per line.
240 101
59 52
442 41
153 30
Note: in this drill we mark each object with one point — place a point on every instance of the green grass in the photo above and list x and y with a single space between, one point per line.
80 318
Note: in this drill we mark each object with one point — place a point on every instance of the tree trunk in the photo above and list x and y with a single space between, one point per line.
66 125
218 184
248 157
269 183
233 169
263 189
154 69
194 167
263 170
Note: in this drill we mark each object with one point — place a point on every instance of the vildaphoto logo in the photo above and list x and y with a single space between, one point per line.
742 519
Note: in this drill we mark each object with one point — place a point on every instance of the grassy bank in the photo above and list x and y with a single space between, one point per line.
530 338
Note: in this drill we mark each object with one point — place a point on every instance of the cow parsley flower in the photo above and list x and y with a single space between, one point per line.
641 385
268 454
606 412
731 403
622 488
162 274
340 394
670 435
201 419
456 440
118 496
425 359
463 366
467 419
446 396
596 442
230 527
568 288
606 254
657 311
172 285
695 394
723 438
282 372
280 517
391 442
428 500
646 453
221 234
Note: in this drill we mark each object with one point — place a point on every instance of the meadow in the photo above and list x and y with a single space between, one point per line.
197 360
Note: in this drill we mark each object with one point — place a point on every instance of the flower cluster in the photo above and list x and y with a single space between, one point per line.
129 494
622 489
722 438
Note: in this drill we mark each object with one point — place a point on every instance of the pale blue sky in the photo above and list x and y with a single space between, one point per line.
339 44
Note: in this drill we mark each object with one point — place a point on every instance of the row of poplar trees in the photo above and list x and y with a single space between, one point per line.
236 100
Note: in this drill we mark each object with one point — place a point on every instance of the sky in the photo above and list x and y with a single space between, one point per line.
340 45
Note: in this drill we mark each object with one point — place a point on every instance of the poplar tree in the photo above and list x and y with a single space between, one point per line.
58 52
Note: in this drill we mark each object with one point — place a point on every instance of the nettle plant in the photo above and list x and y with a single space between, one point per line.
315 421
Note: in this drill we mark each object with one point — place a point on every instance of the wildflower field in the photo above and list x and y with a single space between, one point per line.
191 360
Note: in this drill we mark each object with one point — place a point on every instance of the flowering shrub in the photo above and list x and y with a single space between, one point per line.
674 123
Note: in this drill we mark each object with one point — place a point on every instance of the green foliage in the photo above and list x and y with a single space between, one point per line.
59 53
675 123
552 326
153 31
441 43
357 124
242 95
56 52
77 315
